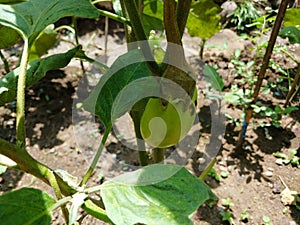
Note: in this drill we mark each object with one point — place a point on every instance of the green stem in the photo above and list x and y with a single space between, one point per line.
29 165
114 16
91 208
139 32
6 65
158 155
291 93
207 169
136 115
20 129
74 21
57 191
96 158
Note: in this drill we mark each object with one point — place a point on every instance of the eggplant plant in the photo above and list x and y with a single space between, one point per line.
136 83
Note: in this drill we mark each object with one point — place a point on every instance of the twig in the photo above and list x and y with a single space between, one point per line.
263 69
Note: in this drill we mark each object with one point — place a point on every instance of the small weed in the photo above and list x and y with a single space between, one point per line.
212 173
244 216
227 216
291 158
227 202
267 220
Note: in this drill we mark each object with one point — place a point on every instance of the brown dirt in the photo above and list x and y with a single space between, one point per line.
253 183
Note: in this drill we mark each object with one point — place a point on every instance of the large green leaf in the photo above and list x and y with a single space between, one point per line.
204 19
156 194
31 17
213 77
35 71
26 206
106 94
9 37
292 18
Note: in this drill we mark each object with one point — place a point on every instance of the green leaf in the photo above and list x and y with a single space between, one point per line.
292 18
289 109
9 37
107 93
10 2
204 19
292 33
43 43
153 16
35 71
26 206
156 194
117 7
30 18
213 77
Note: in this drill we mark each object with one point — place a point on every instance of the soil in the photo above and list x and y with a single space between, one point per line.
255 179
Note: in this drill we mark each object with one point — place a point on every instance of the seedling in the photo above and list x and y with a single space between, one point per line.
291 158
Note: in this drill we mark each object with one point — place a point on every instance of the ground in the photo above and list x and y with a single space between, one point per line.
254 178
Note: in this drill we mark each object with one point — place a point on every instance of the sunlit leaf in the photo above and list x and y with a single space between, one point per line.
30 18
204 19
292 18
213 77
156 194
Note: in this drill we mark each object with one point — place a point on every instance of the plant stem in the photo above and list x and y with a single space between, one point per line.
6 65
114 16
207 169
158 155
20 129
263 69
182 13
293 88
140 35
91 208
29 165
57 191
136 115
96 158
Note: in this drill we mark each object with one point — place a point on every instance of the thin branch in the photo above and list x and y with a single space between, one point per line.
263 69
114 16
96 159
